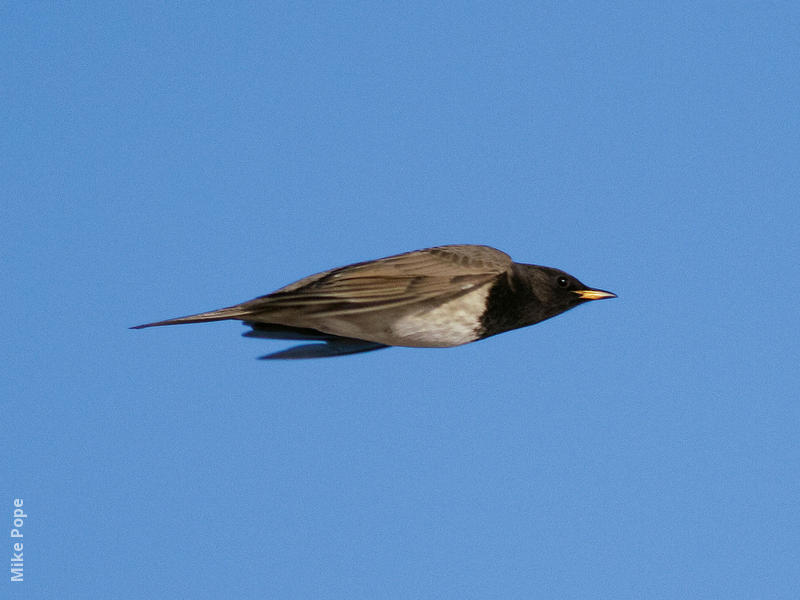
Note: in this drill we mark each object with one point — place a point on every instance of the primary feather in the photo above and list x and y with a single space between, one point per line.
413 278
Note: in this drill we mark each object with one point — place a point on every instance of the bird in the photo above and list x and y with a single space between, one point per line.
437 297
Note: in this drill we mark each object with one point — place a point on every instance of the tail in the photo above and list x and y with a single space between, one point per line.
232 312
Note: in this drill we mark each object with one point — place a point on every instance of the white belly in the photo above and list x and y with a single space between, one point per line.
451 324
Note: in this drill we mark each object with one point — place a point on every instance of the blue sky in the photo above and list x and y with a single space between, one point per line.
161 160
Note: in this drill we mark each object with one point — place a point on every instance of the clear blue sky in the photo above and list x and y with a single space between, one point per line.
158 161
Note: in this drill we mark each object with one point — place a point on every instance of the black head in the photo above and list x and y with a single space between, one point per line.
555 291
531 294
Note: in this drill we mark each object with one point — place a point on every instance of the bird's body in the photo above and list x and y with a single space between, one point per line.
437 297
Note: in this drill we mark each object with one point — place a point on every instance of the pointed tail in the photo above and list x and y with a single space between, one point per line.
232 312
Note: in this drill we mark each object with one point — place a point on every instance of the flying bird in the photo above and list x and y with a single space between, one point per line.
432 298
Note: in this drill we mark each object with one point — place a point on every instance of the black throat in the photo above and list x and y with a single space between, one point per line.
511 304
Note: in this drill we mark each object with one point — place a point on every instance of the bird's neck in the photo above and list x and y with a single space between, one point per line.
511 304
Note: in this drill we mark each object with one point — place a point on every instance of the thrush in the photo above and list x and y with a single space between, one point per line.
432 298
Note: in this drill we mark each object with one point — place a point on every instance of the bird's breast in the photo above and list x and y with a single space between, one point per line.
453 323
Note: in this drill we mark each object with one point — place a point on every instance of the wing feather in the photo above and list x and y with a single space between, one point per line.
441 272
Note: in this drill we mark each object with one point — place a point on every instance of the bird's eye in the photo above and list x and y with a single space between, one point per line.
562 282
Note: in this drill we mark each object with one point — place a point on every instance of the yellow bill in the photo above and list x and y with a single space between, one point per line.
594 294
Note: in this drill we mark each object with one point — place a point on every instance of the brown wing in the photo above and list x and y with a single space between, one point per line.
442 272
419 276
